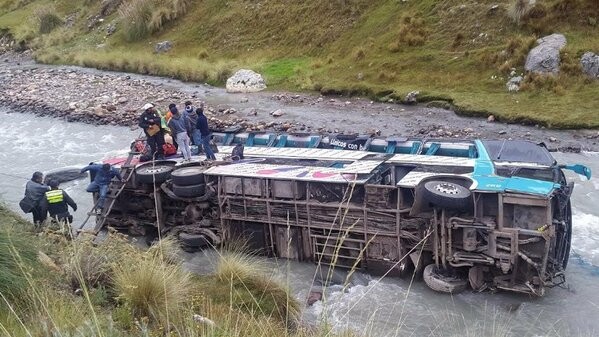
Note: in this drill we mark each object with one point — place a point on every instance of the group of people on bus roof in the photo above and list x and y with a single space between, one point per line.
186 127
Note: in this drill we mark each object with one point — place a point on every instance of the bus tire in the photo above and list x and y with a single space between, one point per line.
443 282
445 194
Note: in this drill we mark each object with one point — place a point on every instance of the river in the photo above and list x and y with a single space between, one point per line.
389 307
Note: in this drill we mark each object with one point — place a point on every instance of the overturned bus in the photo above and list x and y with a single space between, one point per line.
485 214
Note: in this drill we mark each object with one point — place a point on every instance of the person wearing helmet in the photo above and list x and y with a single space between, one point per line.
56 202
150 121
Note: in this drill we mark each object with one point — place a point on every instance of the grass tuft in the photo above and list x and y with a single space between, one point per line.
17 254
151 287
141 18
519 9
46 19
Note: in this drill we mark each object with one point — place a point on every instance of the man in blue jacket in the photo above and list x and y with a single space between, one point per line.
102 175
179 126
202 125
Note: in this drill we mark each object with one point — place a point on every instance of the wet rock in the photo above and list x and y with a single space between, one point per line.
313 297
491 118
244 100
163 47
277 113
502 132
545 58
122 100
411 97
552 139
513 84
590 64
245 81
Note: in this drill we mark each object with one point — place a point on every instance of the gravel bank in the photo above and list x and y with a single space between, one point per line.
100 97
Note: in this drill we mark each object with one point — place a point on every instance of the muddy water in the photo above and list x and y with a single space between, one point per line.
389 307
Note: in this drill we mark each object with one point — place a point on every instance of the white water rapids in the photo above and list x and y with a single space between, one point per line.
369 306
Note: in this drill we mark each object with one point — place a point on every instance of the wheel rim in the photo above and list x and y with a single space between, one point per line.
155 170
447 188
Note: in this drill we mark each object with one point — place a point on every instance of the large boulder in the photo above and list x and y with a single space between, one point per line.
245 81
590 64
544 58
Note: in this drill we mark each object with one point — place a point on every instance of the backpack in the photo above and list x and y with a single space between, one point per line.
169 149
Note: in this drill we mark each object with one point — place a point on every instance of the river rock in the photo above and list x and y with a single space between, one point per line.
163 47
110 29
245 81
544 58
313 297
411 97
277 113
590 64
513 84
122 100
104 99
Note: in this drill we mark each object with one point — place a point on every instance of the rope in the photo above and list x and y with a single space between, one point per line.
14 176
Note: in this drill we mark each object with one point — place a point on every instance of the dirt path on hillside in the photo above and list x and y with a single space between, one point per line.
102 97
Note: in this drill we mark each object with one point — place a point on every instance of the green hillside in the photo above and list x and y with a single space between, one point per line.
458 53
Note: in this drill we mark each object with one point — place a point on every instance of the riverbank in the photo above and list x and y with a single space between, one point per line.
101 97
54 286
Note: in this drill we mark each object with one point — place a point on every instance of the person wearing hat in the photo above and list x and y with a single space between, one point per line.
179 126
34 193
150 121
56 202
102 175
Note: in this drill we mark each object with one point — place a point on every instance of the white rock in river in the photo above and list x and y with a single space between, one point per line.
245 81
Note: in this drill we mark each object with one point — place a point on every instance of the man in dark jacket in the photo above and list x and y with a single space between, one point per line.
150 122
103 175
56 202
195 135
202 125
191 118
34 193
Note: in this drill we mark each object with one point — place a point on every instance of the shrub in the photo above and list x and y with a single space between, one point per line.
359 54
518 10
394 46
135 16
46 19
203 54
88 266
250 274
18 256
152 288
412 32
167 249
143 17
